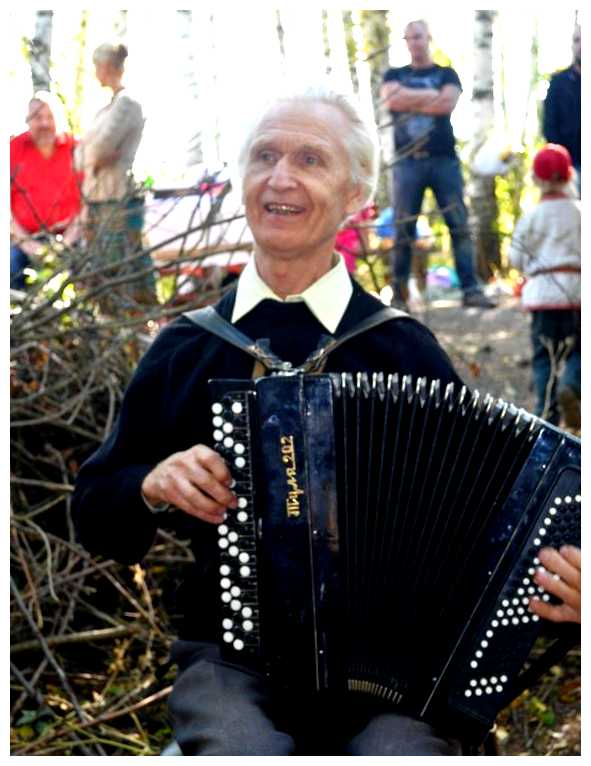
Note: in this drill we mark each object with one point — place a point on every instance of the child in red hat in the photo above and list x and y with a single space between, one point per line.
546 247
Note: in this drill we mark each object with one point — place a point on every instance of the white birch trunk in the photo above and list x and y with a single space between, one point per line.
41 50
482 191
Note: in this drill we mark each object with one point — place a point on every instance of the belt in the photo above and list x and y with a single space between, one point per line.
557 270
419 155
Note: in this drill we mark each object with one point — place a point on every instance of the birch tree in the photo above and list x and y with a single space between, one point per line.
40 50
484 206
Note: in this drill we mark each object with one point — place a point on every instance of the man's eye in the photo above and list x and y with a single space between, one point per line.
311 160
265 155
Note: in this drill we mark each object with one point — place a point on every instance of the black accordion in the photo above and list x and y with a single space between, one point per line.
386 536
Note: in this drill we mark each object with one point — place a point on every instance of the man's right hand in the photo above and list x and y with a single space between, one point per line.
197 481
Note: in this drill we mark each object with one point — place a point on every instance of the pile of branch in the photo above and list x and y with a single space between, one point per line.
90 638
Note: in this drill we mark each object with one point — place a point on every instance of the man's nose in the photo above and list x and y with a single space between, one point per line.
282 176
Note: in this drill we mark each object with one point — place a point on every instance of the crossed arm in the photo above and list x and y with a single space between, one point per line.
423 101
31 246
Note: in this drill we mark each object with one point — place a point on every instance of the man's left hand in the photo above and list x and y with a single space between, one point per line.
565 563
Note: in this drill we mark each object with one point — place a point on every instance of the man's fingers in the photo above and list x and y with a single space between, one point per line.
562 590
553 612
566 564
197 503
212 487
211 461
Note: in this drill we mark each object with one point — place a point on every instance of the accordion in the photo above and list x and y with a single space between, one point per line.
386 536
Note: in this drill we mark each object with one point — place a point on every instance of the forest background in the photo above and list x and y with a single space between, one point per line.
89 637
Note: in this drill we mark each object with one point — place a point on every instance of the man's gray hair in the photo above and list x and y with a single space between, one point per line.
361 141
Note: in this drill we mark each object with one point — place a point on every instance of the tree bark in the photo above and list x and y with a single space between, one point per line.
484 208
40 50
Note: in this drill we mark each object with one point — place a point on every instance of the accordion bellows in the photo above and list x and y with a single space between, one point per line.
386 536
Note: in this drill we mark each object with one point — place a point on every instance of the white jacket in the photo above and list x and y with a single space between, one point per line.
546 247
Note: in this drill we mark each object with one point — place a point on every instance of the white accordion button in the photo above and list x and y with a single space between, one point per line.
244 571
225 583
236 408
227 428
232 550
239 449
228 441
238 645
227 623
233 537
226 597
247 625
228 637
240 462
244 558
242 502
223 543
217 408
247 612
217 421
224 570
235 604
241 516
222 529
235 590
218 435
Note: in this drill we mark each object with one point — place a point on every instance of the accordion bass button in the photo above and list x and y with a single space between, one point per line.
217 408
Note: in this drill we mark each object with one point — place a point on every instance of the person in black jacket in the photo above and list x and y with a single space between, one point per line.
310 162
562 107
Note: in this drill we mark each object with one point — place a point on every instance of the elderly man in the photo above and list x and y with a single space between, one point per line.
44 188
421 98
309 163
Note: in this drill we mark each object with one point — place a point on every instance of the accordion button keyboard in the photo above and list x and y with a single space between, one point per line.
236 542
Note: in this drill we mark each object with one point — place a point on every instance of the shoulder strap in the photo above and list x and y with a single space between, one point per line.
328 343
209 319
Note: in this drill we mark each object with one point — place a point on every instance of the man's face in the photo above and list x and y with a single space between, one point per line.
41 123
297 184
577 46
417 40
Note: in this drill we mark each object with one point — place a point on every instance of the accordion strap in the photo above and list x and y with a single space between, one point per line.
328 343
209 319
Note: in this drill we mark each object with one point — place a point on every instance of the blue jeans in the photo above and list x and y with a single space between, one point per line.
548 330
18 261
223 709
443 176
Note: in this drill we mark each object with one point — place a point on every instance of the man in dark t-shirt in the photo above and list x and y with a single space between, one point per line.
421 97
562 108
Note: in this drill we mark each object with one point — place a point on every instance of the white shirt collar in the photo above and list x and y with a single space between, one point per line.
327 298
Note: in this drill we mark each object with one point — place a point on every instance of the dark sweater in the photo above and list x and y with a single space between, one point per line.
166 410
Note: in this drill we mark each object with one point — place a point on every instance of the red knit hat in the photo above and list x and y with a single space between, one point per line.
553 163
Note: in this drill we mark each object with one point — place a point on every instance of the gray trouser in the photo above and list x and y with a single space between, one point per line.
224 709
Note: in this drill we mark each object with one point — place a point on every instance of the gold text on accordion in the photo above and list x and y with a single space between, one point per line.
292 501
